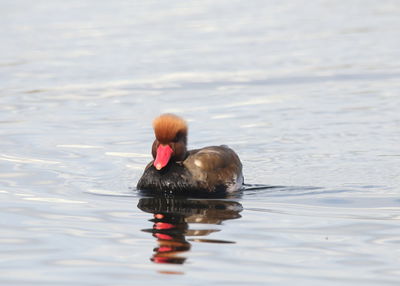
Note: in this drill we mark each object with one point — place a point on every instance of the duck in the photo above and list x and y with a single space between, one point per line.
212 170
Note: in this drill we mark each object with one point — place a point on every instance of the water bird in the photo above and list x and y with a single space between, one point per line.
212 170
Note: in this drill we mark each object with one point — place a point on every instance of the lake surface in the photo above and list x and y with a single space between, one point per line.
306 93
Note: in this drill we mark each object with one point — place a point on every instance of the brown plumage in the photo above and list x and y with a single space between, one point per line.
167 126
210 170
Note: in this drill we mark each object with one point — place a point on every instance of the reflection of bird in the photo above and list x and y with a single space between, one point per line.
169 231
210 170
171 217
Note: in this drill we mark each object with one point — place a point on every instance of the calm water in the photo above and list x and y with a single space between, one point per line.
306 93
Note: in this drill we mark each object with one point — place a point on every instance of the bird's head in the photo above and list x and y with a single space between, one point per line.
171 139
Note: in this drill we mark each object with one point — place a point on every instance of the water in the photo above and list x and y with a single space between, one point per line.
306 93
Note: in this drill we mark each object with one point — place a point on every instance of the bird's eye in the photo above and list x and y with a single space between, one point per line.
178 137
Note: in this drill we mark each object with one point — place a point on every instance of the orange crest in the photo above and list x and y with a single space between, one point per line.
167 126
